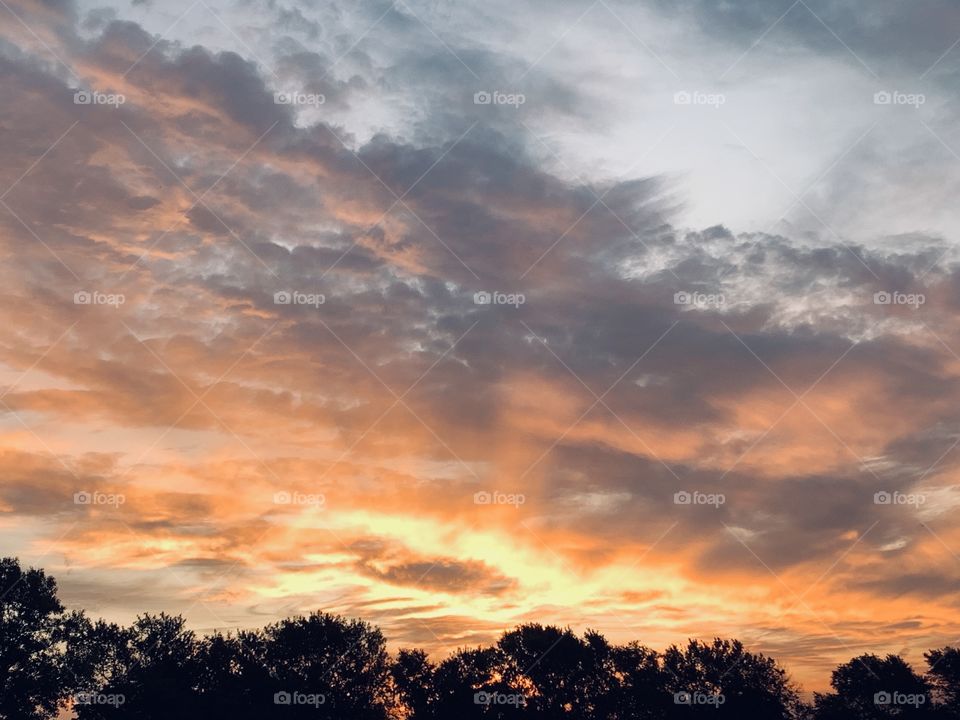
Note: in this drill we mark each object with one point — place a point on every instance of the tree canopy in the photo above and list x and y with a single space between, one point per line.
325 666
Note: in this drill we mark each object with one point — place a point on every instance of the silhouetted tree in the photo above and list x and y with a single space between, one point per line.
319 666
585 678
415 684
873 688
535 672
724 676
944 677
149 670
640 691
233 682
34 627
553 666
470 684
324 667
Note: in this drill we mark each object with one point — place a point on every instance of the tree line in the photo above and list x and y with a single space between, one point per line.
326 667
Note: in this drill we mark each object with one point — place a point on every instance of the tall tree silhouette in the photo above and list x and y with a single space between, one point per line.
563 675
414 678
944 677
34 628
318 666
640 691
722 675
554 667
535 672
869 687
584 678
470 684
148 670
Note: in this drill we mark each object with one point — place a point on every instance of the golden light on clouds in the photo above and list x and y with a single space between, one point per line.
599 455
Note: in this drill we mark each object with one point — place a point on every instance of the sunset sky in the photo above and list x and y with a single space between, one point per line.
248 366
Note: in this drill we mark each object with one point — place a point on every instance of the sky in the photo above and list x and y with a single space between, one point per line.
633 316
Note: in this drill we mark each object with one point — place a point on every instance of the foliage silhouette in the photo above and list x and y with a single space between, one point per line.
944 678
869 687
33 629
153 666
750 685
325 667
